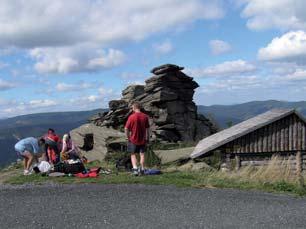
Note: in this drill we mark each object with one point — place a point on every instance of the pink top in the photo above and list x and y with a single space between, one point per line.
68 146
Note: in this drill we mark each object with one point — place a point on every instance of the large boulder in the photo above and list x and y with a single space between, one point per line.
175 155
101 137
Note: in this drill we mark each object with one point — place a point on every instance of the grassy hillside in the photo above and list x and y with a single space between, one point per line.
36 125
224 114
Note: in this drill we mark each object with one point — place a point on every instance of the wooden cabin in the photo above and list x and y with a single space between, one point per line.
252 142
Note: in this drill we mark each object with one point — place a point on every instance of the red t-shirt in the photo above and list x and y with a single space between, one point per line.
53 137
137 124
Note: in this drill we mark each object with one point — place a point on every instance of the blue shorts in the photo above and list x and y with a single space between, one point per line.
20 149
132 148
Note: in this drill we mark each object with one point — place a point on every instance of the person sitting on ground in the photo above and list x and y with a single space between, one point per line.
137 134
52 145
69 149
30 149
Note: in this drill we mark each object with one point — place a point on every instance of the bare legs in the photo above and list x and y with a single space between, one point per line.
25 162
28 160
134 160
142 160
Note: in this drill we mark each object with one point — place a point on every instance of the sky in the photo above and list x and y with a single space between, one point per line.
80 54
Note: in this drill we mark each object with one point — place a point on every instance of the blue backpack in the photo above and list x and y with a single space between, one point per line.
152 172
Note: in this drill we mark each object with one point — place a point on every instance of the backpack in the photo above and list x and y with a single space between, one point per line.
152 172
66 168
124 163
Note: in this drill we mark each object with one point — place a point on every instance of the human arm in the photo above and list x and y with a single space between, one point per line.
127 133
64 147
127 129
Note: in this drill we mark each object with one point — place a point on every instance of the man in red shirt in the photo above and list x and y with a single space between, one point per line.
137 133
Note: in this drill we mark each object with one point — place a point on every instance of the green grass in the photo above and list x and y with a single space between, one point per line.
177 178
205 179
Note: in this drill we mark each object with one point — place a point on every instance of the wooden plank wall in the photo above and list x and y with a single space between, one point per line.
285 135
304 162
288 161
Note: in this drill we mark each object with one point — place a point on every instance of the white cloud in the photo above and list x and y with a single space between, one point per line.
6 102
78 36
55 23
281 68
95 100
163 48
106 91
227 68
281 14
3 65
83 101
79 58
132 75
298 75
233 84
219 47
5 85
12 107
64 87
289 47
111 59
42 103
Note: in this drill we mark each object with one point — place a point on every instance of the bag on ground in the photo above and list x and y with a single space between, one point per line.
67 168
44 167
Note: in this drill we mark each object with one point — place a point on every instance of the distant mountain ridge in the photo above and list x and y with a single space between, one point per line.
226 114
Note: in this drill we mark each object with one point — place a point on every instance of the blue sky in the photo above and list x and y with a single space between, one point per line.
79 54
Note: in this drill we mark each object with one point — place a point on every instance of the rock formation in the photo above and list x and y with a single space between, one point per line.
167 97
102 137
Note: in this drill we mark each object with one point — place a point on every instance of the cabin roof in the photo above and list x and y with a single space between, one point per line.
223 137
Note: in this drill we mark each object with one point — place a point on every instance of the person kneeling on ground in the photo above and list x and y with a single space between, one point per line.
30 149
137 134
69 149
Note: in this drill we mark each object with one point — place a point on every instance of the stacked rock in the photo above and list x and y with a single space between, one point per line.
167 98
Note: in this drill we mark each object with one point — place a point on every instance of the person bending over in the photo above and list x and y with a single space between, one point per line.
30 149
137 134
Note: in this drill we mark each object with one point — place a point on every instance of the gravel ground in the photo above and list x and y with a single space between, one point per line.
142 206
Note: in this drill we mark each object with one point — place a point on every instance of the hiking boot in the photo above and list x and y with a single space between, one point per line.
26 172
135 172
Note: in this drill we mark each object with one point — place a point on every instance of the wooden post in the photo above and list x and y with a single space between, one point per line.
299 168
228 161
238 162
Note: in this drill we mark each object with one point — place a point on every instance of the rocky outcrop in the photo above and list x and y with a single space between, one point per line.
101 137
167 97
174 155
